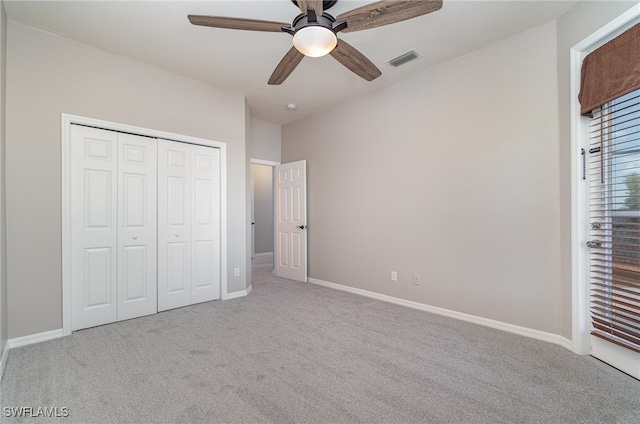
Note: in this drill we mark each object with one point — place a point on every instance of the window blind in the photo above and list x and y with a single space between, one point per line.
614 197
610 71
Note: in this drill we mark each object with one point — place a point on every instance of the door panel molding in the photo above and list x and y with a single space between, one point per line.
137 228
291 220
67 120
94 234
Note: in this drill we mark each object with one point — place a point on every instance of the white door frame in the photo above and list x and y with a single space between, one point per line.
581 323
252 195
67 120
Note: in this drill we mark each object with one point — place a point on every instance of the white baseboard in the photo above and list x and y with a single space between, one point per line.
3 359
499 325
241 293
34 338
257 255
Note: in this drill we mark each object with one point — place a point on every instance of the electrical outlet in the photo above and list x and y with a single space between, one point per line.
416 279
394 276
236 272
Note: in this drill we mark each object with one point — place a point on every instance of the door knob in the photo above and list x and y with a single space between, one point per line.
177 234
135 237
302 227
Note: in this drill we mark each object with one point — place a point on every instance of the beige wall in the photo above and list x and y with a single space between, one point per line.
3 227
48 75
262 176
452 174
265 140
460 174
265 145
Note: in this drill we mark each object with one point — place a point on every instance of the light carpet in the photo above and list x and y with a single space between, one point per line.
299 353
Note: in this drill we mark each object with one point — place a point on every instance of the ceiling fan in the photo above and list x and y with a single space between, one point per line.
315 31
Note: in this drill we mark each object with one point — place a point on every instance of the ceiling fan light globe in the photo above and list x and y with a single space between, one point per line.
315 41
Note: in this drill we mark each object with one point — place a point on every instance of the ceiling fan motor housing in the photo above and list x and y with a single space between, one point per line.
326 4
311 19
315 35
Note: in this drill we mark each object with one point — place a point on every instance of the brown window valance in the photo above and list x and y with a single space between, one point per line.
611 71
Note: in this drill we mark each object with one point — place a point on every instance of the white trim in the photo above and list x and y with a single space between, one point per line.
241 293
34 338
264 162
257 255
499 325
67 120
65 165
3 360
617 356
580 220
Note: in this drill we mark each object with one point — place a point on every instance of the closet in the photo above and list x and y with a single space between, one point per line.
145 216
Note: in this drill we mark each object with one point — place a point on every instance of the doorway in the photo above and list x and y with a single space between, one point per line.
599 270
262 211
285 217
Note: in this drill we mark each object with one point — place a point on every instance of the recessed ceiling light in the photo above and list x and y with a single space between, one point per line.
291 106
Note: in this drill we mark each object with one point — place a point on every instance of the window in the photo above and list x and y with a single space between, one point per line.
614 215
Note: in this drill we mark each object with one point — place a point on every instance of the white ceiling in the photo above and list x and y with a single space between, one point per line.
158 33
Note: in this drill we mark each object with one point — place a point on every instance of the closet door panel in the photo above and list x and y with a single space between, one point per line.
94 226
206 224
137 226
174 224
145 225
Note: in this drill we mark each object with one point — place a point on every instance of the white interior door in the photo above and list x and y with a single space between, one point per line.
205 229
174 225
137 227
94 229
291 220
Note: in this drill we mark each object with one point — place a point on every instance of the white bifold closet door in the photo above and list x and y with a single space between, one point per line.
188 224
137 226
114 229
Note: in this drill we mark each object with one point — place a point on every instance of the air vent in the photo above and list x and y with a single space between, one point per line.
404 58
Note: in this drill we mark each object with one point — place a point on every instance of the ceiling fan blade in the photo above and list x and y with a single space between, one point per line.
386 12
236 23
355 61
286 66
314 4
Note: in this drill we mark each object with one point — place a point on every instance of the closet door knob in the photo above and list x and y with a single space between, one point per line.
177 234
135 237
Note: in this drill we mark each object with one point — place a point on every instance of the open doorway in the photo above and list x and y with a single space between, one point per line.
262 214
